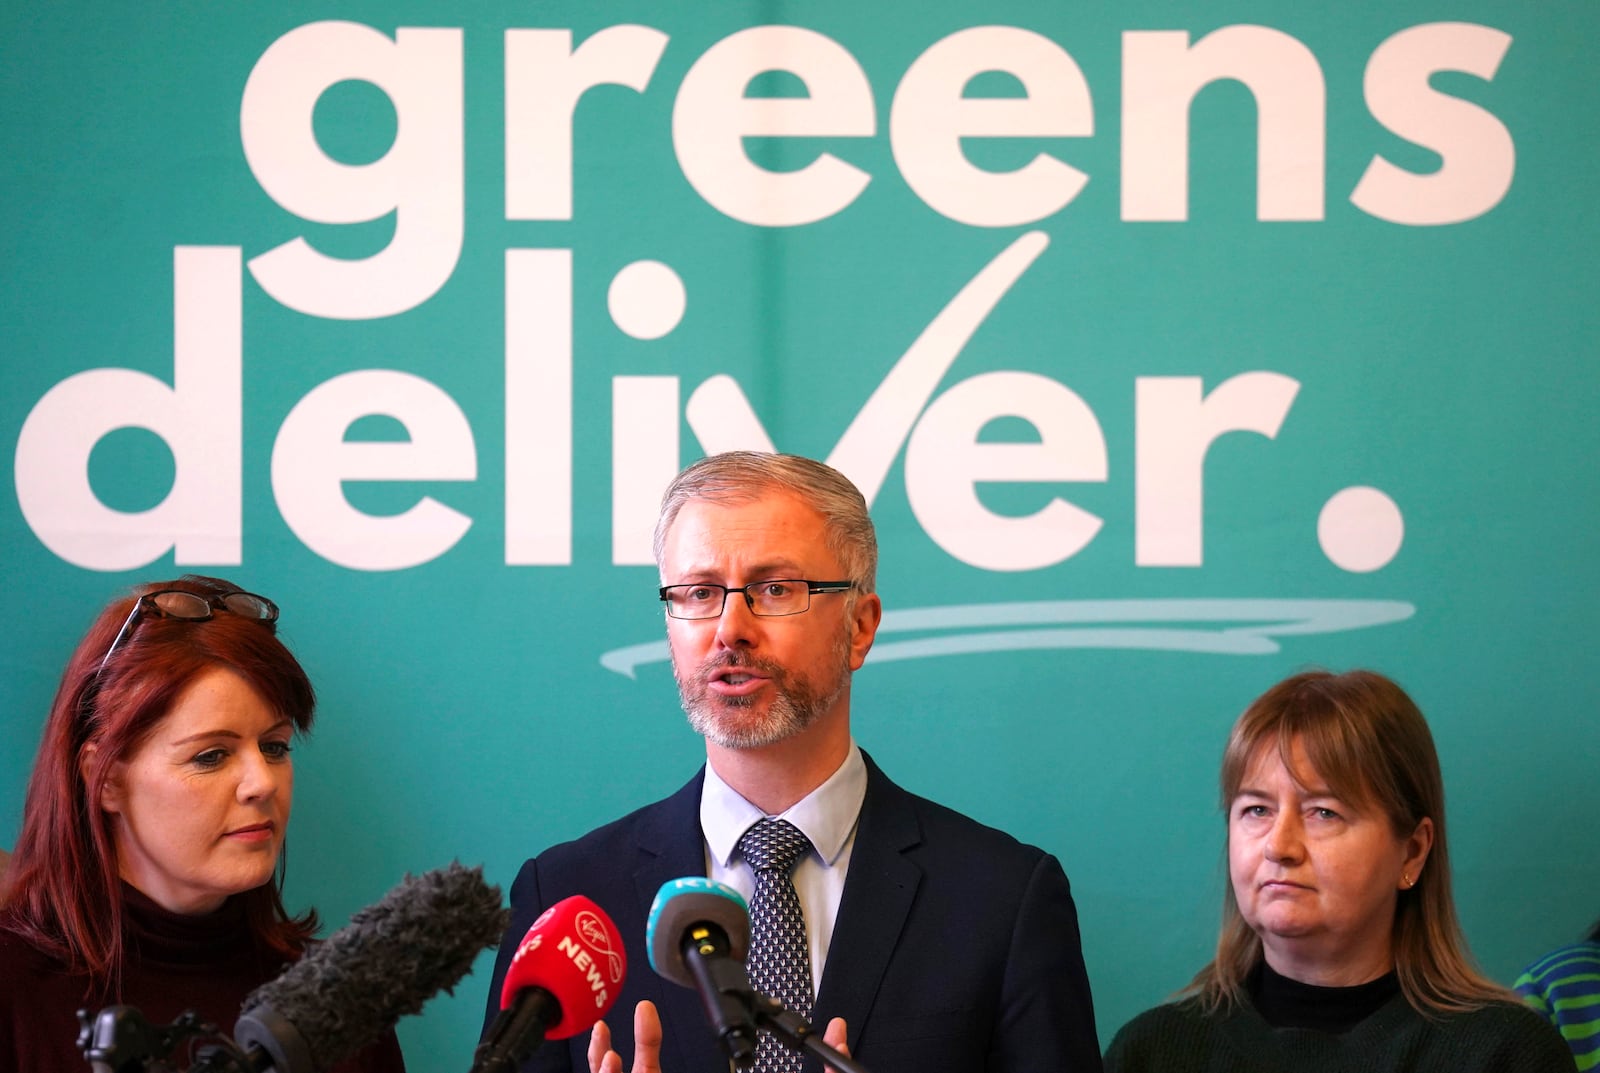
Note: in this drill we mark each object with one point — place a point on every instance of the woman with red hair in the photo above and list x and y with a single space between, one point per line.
148 870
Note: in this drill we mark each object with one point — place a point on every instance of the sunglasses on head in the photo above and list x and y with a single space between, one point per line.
193 607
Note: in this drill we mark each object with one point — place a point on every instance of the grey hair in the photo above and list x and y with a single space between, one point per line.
742 476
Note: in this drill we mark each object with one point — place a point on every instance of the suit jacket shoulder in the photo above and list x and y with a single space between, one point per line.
619 866
956 946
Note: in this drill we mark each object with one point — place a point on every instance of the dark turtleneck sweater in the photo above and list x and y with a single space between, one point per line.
1286 1003
173 963
1283 1026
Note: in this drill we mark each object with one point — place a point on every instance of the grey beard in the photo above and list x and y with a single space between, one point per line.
798 703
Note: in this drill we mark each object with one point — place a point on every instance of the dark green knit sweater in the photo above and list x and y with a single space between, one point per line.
1179 1038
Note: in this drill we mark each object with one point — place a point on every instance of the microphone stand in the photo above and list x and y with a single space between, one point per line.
796 1032
120 1039
735 1008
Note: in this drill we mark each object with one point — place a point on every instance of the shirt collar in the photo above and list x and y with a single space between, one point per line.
827 815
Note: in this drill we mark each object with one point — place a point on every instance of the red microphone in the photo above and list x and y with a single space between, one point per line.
562 979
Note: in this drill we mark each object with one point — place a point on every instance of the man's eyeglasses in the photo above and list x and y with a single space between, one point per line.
769 599
180 603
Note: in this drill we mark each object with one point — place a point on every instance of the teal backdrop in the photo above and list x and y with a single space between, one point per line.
1178 347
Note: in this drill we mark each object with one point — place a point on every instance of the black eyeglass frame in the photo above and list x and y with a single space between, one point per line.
208 603
813 588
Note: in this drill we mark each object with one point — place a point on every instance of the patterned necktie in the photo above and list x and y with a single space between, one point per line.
780 958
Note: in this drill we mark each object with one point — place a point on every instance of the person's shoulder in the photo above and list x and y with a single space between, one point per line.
1506 1020
1505 1029
945 827
598 840
648 824
25 964
1564 961
1173 1028
1177 1013
1560 986
16 948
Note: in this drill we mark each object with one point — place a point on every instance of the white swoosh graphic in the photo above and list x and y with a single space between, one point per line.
1226 627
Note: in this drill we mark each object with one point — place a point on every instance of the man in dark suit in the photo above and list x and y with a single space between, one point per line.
944 945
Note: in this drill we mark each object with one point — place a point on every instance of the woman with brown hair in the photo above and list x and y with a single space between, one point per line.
148 869
1340 947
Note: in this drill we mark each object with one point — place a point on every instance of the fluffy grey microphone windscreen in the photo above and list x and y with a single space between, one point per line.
420 938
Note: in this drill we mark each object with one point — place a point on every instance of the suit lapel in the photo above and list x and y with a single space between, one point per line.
670 846
878 893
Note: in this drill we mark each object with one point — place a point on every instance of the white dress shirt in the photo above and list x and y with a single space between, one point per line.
828 817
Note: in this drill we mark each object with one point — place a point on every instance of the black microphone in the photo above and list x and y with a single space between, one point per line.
420 938
698 934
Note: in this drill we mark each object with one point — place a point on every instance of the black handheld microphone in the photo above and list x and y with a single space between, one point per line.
698 934
420 938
